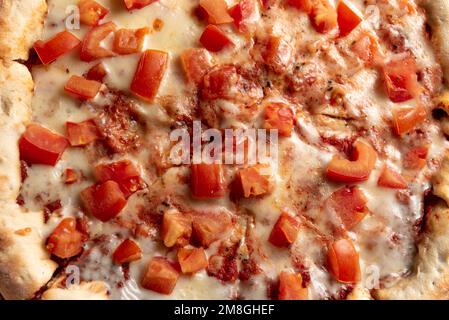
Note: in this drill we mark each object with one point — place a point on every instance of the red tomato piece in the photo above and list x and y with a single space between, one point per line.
285 231
103 200
206 181
137 4
38 145
196 64
192 260
63 42
343 261
357 169
82 133
91 48
416 158
323 16
82 88
128 41
405 119
149 74
91 12
290 287
250 182
220 83
391 179
367 48
71 176
278 54
303 5
350 205
214 39
97 73
400 79
217 11
208 228
348 19
126 252
160 276
66 241
176 229
279 116
241 12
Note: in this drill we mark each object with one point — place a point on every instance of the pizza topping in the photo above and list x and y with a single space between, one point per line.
291 287
92 48
323 16
192 260
63 42
128 41
176 229
66 241
217 11
206 181
405 119
38 145
285 231
416 157
149 74
71 176
137 4
251 182
303 5
278 54
82 88
97 73
367 48
343 261
348 18
196 64
214 39
160 276
82 133
391 179
279 116
208 228
350 205
357 169
241 12
91 12
127 252
400 79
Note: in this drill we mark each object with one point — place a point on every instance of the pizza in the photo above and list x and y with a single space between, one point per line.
224 149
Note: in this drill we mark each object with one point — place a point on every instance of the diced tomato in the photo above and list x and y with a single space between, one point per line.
416 158
279 116
350 205
217 11
405 119
303 5
214 39
39 145
63 42
343 261
103 200
196 64
137 4
82 133
348 19
160 276
124 173
192 260
91 12
323 16
250 182
219 83
400 79
357 169
66 241
208 228
149 74
126 252
391 179
97 73
91 48
128 41
290 287
82 88
241 12
285 231
367 48
176 229
278 54
71 176
206 181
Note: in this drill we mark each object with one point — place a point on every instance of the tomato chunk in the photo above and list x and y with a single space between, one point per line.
416 158
160 276
357 169
214 39
128 41
206 181
217 11
405 119
367 48
38 145
350 205
91 12
82 88
290 287
66 241
303 5
82 133
323 16
149 74
126 252
71 176
241 13
196 64
251 182
343 261
63 42
208 228
285 231
137 4
103 200
400 79
97 73
279 116
192 260
176 229
348 18
91 48
391 179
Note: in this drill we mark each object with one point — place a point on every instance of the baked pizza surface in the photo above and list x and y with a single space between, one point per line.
212 149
